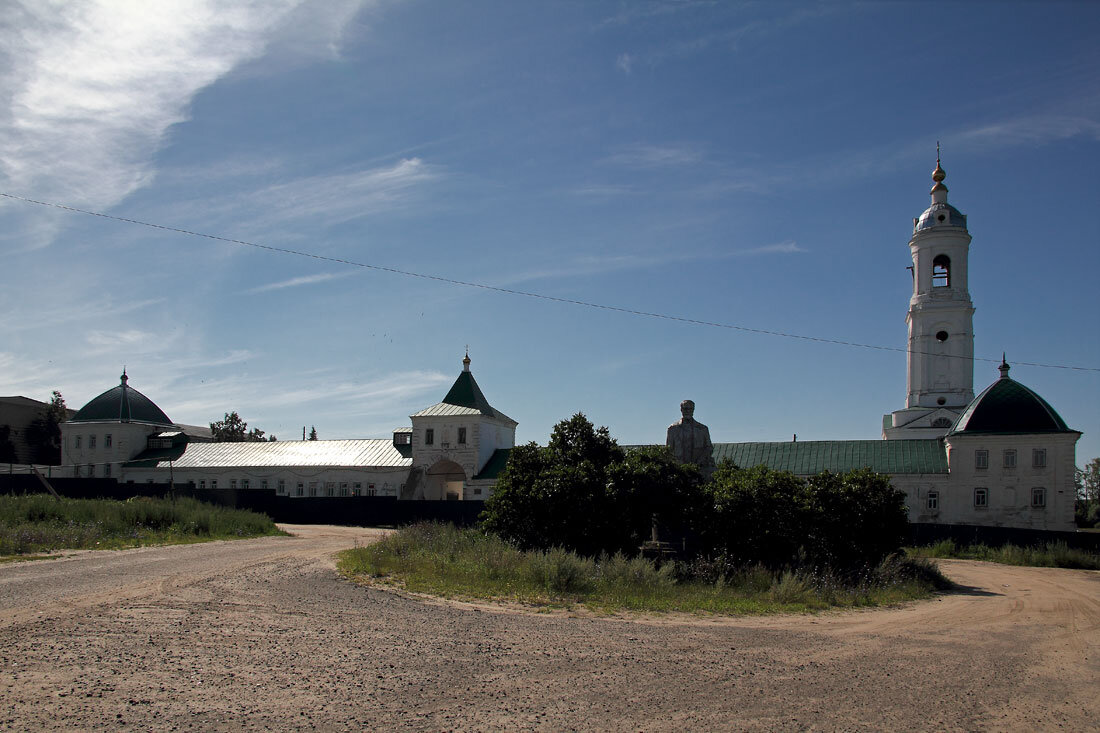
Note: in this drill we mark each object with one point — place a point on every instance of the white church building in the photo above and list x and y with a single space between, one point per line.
454 450
1003 458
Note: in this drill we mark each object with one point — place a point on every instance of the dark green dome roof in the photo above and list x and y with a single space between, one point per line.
1006 406
122 404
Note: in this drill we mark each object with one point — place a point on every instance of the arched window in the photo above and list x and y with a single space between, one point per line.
941 271
941 422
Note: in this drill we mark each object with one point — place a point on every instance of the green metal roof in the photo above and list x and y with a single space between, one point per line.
1006 406
495 465
122 404
465 397
814 456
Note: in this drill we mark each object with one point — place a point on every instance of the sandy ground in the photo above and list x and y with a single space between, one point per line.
262 635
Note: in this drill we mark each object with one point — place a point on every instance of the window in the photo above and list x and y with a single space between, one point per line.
202 483
213 483
244 483
981 459
1010 458
933 501
941 271
371 490
232 483
981 498
91 472
91 442
282 486
299 490
76 471
1039 458
263 484
941 422
357 489
1038 498
330 488
477 492
429 436
343 488
106 470
462 436
107 440
313 488
76 442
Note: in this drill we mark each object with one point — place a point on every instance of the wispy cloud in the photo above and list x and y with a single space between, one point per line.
624 63
654 156
1031 129
343 196
296 281
93 87
590 265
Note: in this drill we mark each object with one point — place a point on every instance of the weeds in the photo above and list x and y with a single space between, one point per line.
443 560
39 523
1049 555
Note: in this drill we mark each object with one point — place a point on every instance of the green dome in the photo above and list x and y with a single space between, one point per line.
122 404
1006 406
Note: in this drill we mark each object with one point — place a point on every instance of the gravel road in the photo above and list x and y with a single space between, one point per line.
262 635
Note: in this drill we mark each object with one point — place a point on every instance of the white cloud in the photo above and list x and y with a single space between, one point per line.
624 63
343 196
93 87
296 281
655 156
1032 129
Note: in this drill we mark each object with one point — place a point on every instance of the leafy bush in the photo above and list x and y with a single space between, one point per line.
585 493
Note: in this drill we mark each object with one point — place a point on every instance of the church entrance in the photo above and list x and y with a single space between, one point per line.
444 480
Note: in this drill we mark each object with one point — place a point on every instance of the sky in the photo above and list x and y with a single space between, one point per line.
755 165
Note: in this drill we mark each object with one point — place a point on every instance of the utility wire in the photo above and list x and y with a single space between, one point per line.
523 293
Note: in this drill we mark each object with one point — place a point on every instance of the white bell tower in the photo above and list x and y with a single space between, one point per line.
941 322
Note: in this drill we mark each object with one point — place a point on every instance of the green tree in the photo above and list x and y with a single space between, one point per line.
585 493
43 434
312 432
232 429
1087 506
756 515
853 519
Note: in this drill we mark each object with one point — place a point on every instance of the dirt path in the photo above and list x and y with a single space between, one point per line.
260 634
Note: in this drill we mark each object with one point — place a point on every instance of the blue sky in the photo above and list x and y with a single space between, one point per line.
751 164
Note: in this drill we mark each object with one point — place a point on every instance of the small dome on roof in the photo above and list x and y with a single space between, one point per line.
1006 406
940 215
122 404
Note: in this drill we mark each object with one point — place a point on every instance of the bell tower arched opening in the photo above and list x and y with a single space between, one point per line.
941 271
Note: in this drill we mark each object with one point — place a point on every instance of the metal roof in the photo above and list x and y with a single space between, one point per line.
442 409
1006 406
810 457
122 404
495 464
364 453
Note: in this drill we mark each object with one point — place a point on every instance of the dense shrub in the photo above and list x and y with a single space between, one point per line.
584 493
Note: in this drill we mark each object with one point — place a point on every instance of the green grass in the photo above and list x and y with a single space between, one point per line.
39 523
1049 555
441 560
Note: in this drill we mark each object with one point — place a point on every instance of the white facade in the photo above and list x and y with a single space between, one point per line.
940 366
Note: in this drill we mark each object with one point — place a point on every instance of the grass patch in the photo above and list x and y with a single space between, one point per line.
38 523
1049 555
442 560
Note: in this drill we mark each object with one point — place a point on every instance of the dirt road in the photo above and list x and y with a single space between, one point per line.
261 634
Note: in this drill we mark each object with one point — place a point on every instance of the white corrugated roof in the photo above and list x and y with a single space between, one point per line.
352 453
443 409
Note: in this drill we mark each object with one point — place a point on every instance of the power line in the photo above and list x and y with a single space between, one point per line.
524 293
